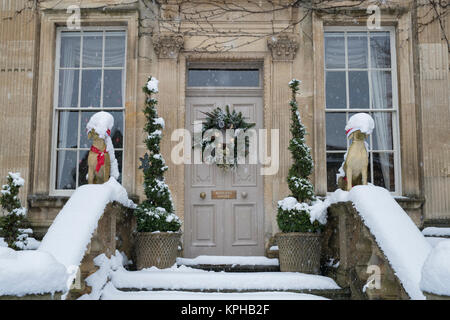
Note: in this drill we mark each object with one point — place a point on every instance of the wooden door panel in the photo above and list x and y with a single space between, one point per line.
244 224
204 222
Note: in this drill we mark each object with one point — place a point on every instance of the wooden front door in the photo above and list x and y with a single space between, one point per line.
233 226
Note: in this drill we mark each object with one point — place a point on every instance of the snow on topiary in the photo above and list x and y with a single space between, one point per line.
297 212
156 213
102 122
14 212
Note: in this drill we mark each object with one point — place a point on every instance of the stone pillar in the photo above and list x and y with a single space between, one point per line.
167 48
283 49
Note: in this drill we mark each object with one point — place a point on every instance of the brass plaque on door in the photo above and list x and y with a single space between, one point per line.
223 194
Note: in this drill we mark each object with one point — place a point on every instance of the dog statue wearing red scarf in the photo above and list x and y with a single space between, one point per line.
99 162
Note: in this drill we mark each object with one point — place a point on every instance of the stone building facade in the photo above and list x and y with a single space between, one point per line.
53 75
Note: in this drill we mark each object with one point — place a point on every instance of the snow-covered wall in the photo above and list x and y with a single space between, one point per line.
70 234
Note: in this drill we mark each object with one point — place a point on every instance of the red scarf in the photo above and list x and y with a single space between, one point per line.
100 157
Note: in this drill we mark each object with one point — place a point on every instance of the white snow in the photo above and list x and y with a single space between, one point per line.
17 179
29 243
317 210
99 279
185 278
436 270
159 121
30 272
225 260
360 121
401 241
111 293
273 248
152 85
433 241
71 231
101 122
435 231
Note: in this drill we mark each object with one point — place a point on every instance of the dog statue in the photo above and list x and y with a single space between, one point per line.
99 162
356 162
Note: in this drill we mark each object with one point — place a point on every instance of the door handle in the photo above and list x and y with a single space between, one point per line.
202 195
244 195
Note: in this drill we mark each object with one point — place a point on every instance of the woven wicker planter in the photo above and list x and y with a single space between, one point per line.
299 252
156 249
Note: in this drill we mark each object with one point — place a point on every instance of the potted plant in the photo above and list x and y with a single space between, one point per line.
299 241
158 227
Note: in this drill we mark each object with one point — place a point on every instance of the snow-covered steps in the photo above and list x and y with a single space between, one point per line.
436 232
111 293
193 280
231 263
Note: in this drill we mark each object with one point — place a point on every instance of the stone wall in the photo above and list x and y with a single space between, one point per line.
348 241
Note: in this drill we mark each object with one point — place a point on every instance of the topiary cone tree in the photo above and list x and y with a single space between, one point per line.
294 212
156 213
15 213
302 166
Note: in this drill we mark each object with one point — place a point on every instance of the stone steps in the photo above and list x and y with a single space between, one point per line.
233 267
335 294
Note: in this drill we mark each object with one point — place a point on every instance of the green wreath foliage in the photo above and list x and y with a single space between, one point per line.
223 120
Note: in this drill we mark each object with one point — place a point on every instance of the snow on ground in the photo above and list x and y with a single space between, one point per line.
30 272
433 241
233 260
436 232
185 278
401 241
71 231
436 270
111 293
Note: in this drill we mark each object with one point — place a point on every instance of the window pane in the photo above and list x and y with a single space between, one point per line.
357 50
90 88
92 49
119 158
223 78
358 83
380 50
83 167
70 50
381 89
334 50
114 49
66 166
112 89
334 162
382 134
68 129
335 124
383 170
68 88
84 141
117 131
336 96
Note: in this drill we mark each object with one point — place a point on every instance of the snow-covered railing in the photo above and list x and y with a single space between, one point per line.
401 242
70 233
52 267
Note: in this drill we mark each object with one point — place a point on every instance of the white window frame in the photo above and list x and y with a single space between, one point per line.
56 109
395 102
